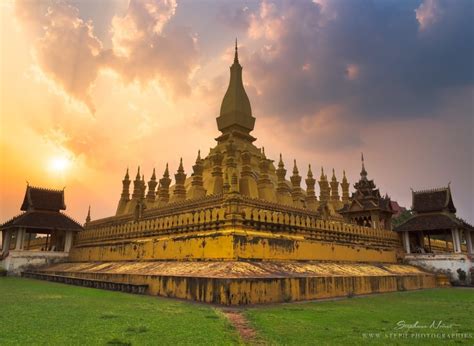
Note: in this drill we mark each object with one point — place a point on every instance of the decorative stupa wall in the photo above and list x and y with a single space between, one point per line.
231 227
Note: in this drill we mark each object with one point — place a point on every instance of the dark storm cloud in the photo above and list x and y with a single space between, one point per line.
378 59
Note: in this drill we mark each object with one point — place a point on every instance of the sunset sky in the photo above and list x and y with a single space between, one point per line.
89 88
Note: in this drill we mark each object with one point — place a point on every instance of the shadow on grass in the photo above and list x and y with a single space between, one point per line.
118 342
136 330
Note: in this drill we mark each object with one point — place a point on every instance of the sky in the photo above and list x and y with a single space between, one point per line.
89 88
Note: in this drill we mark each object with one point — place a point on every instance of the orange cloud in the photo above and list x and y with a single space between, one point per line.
69 53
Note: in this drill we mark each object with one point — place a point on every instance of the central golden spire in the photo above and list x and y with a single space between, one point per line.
236 114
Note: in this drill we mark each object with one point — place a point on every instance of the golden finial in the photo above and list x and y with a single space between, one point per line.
295 168
138 174
363 172
281 165
236 54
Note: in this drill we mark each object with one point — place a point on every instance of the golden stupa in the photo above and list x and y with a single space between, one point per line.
238 232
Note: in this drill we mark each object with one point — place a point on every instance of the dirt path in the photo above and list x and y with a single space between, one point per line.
237 318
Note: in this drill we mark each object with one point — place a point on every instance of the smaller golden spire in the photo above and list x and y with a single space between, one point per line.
138 174
310 173
295 168
280 163
88 217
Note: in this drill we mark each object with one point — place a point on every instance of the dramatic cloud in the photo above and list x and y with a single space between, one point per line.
365 56
68 51
327 79
143 51
66 48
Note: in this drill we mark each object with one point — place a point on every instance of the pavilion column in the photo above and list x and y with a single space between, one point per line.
68 241
456 241
6 242
458 235
20 235
468 236
406 242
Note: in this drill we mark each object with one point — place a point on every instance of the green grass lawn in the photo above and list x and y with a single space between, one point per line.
350 321
37 312
43 313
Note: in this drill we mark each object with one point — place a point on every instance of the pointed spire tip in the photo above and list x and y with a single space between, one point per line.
236 55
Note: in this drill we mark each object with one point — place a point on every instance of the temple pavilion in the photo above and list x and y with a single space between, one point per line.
240 230
434 222
435 238
41 233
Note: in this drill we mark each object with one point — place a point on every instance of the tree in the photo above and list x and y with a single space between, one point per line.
404 216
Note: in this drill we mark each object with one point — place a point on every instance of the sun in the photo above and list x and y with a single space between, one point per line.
59 164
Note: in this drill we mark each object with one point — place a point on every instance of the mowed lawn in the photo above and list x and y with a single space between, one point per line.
37 312
42 313
443 315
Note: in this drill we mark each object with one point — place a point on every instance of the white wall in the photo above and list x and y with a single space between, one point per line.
444 263
18 261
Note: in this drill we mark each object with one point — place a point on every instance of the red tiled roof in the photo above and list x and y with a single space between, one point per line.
396 207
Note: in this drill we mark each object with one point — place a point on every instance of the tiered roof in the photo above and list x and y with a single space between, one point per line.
37 198
42 211
434 200
433 210
367 197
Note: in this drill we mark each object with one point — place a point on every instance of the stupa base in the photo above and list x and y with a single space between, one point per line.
240 283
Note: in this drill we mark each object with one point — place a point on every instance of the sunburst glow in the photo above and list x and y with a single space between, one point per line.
59 164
